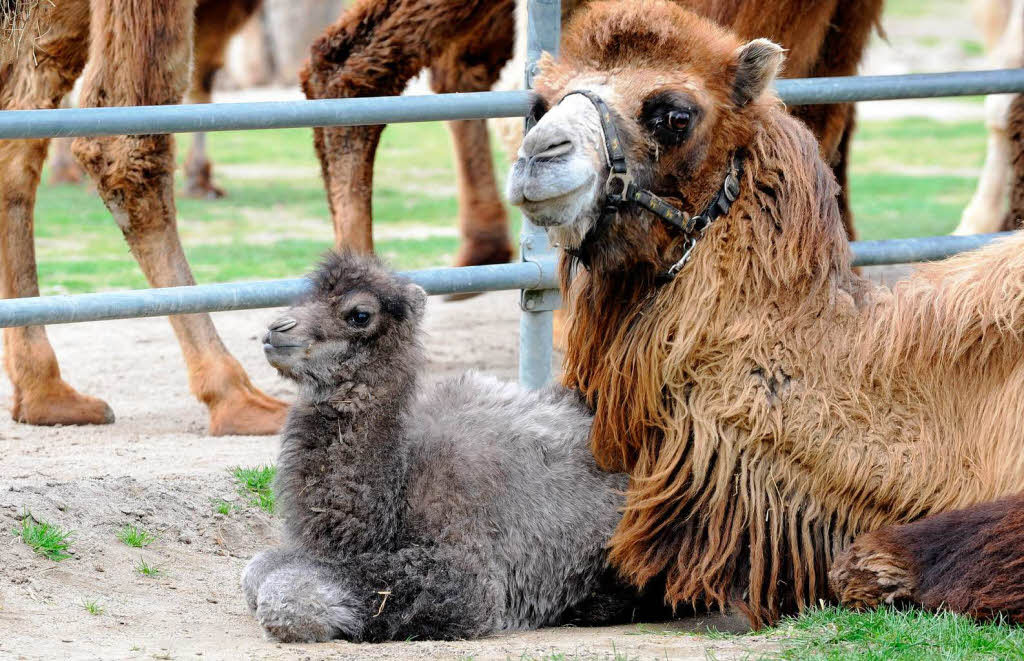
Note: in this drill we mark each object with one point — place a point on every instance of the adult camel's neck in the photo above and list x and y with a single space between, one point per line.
782 246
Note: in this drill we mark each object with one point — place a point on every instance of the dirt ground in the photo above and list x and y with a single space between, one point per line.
156 468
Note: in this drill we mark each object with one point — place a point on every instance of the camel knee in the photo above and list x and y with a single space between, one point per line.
134 175
298 604
871 572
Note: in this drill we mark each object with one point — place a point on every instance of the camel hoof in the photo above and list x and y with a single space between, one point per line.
62 405
247 413
481 253
207 191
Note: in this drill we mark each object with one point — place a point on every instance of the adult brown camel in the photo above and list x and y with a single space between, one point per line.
769 403
137 54
378 45
217 21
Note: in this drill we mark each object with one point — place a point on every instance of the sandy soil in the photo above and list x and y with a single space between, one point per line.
156 468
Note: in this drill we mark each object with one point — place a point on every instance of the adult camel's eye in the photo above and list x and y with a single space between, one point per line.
358 318
678 120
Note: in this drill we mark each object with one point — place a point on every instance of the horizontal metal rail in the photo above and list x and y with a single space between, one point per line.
922 249
66 122
540 274
796 91
249 295
133 120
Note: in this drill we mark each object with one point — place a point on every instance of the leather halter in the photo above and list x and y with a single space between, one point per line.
620 189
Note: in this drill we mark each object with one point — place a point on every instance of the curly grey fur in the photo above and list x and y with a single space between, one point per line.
451 511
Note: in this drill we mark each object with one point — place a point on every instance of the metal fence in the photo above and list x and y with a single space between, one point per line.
534 275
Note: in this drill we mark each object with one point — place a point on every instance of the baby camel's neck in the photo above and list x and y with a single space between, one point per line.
342 469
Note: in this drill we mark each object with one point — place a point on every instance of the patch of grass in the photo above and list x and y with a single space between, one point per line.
147 569
887 633
972 48
45 539
92 607
257 484
222 507
134 536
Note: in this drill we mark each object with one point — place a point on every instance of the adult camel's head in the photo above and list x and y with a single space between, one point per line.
682 95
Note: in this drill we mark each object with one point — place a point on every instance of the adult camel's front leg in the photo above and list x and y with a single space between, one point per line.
40 77
135 178
374 50
473 65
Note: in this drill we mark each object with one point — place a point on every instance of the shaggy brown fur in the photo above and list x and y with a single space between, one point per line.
1014 218
378 45
139 54
769 403
968 561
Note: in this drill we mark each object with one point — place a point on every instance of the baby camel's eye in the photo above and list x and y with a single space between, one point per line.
358 318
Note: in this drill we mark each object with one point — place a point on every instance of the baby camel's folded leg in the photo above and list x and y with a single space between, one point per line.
265 563
306 602
415 591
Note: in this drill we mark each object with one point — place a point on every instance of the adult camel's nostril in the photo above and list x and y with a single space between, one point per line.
546 142
282 325
553 151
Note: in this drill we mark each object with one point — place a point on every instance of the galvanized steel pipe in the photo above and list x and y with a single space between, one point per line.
66 122
923 249
539 274
250 295
261 115
795 91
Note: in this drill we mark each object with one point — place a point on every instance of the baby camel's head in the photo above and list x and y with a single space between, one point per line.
359 324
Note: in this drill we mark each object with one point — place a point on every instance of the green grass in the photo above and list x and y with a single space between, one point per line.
45 539
147 569
257 484
92 607
134 536
889 634
222 507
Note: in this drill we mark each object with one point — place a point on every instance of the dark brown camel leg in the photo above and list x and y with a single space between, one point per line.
134 176
373 50
41 75
216 22
474 66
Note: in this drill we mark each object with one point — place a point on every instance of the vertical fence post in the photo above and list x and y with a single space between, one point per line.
543 30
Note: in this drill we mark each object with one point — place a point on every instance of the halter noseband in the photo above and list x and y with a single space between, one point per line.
620 189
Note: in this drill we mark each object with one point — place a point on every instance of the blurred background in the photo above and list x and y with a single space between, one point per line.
914 165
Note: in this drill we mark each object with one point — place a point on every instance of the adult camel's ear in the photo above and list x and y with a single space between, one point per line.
757 64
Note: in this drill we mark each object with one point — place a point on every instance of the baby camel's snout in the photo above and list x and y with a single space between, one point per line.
279 344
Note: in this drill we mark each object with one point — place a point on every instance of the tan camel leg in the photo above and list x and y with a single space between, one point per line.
474 66
41 76
373 50
134 176
984 213
987 208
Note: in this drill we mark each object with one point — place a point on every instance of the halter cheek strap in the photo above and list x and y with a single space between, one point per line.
620 189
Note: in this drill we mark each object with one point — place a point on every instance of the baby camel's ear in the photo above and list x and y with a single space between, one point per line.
417 298
757 64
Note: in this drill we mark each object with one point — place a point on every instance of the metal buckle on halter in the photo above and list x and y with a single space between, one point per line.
624 181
